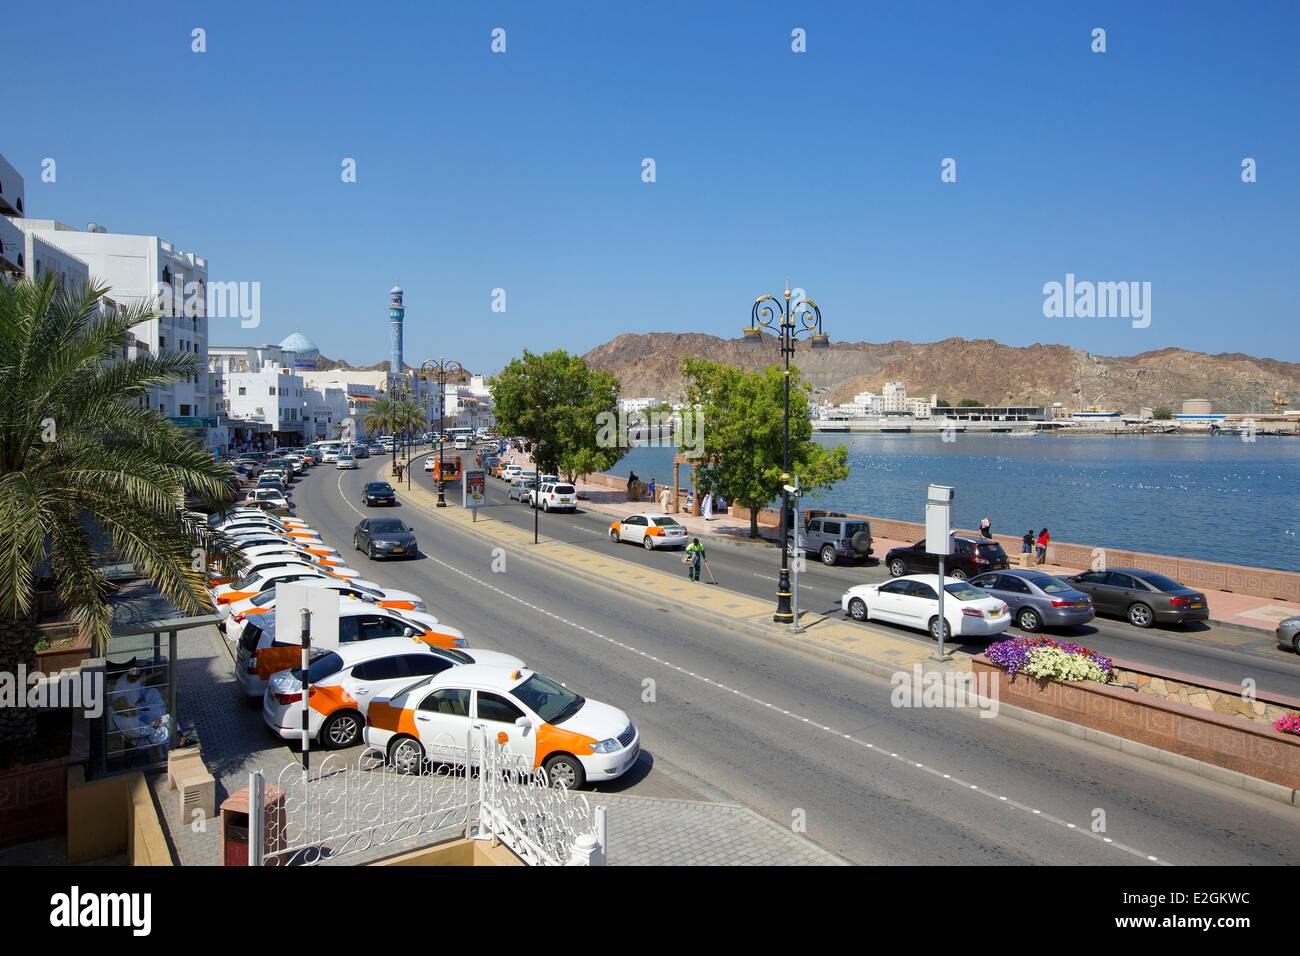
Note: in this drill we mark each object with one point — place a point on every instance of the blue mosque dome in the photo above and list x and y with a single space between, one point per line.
305 350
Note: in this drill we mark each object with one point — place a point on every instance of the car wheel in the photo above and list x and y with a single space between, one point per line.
934 629
648 543
341 730
406 755
828 555
356 543
565 771
613 535
1295 643
858 609
546 506
958 573
370 552
1028 619
1139 615
897 568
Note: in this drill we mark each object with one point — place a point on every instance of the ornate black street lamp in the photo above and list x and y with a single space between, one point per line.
441 368
772 314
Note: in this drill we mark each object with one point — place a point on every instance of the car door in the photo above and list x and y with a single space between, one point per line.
363 534
1012 590
385 676
919 561
373 626
498 714
920 603
442 722
1091 583
633 529
1123 590
887 605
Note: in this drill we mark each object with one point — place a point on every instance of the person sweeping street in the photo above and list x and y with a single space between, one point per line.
694 558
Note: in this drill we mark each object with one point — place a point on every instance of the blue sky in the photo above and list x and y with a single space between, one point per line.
522 170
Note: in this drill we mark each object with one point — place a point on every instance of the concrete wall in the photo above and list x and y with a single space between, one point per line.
114 815
1231 742
455 853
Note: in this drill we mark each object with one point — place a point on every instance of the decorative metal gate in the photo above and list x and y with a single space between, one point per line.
364 806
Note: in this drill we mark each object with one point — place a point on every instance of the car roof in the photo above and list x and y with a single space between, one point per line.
928 579
358 651
488 676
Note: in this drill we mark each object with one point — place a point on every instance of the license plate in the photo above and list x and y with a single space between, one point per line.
1197 605
398 550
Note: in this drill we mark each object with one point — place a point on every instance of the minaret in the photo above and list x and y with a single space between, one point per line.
396 313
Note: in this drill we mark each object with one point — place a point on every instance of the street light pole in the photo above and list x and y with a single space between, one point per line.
442 367
787 321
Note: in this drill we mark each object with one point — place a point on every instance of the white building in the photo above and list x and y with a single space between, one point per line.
134 267
273 395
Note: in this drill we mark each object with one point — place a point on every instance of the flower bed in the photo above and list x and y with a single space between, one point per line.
1290 724
1044 659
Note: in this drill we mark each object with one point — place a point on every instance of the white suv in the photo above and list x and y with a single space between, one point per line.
555 496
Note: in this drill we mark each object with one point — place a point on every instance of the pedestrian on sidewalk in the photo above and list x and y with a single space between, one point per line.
1044 538
652 489
694 557
986 528
1027 542
665 499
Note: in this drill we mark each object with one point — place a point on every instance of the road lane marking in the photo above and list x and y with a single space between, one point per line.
905 761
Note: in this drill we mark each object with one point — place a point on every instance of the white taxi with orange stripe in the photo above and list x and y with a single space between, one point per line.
259 581
255 563
246 541
343 682
575 740
357 588
650 531
255 514
263 649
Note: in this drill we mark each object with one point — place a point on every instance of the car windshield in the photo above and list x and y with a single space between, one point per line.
379 486
327 665
1160 582
246 582
667 522
387 527
964 592
265 598
551 702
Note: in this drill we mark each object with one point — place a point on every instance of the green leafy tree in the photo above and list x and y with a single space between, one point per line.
89 472
969 403
556 400
741 422
1162 413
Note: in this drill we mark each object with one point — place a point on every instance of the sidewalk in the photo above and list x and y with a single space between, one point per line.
1242 610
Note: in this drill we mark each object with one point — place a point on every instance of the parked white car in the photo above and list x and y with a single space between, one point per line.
346 680
575 740
913 601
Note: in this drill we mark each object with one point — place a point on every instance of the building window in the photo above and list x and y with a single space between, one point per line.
185 409
243 390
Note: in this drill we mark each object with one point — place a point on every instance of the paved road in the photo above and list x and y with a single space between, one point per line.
1225 654
804 741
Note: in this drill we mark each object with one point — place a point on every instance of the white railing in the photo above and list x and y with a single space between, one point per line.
345 807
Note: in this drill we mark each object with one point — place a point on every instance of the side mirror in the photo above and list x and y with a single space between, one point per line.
524 724
409 632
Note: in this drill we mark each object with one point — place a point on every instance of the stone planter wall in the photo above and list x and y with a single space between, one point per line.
33 798
1232 741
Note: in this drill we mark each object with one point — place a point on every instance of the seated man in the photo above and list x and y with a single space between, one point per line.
139 712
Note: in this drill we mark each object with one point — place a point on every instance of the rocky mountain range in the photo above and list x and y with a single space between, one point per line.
982 370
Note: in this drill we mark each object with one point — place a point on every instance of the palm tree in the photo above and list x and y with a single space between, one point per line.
86 467
381 417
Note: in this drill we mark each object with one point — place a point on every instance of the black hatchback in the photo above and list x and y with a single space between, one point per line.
970 556
379 493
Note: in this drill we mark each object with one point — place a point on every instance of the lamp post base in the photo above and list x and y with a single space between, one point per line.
784 614
442 498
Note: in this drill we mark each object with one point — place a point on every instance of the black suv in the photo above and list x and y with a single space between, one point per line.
970 556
